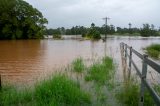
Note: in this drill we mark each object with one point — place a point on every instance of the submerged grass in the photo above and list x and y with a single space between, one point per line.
101 71
101 74
78 65
153 50
57 91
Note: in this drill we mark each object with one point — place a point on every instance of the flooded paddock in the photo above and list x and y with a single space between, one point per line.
26 61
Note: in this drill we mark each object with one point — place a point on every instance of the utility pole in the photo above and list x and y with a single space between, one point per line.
106 19
130 27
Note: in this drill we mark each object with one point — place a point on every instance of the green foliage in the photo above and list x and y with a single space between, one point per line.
101 72
148 30
19 20
93 33
78 65
153 50
57 36
57 91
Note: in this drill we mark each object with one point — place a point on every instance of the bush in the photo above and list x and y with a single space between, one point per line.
57 36
93 33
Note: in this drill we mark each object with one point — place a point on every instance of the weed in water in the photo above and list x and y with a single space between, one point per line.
101 71
78 65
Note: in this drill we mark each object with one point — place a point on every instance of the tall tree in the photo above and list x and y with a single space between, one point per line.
19 20
146 31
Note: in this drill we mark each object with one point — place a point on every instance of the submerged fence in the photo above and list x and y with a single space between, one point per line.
141 73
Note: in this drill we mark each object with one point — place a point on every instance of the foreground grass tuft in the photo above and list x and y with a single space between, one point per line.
153 50
129 95
78 65
57 91
101 71
61 90
10 96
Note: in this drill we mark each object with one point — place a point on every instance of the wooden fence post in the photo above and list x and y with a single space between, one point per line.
125 54
144 73
123 49
130 59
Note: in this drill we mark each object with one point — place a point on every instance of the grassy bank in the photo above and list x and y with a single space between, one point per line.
153 50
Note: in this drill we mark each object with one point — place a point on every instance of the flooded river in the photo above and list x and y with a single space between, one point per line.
25 61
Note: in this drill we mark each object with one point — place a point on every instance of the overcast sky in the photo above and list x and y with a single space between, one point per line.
68 13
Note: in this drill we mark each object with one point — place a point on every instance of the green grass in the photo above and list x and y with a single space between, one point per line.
130 92
57 91
101 71
11 96
78 65
153 50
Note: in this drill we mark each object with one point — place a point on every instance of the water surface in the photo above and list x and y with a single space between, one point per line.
26 61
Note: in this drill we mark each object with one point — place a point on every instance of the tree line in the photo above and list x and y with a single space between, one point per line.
20 20
146 30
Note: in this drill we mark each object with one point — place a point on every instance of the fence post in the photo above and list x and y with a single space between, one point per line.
130 59
123 49
126 54
144 73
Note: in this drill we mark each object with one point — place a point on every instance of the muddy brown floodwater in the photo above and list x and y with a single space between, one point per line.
23 62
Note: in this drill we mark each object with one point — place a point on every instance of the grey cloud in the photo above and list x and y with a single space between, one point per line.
69 13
